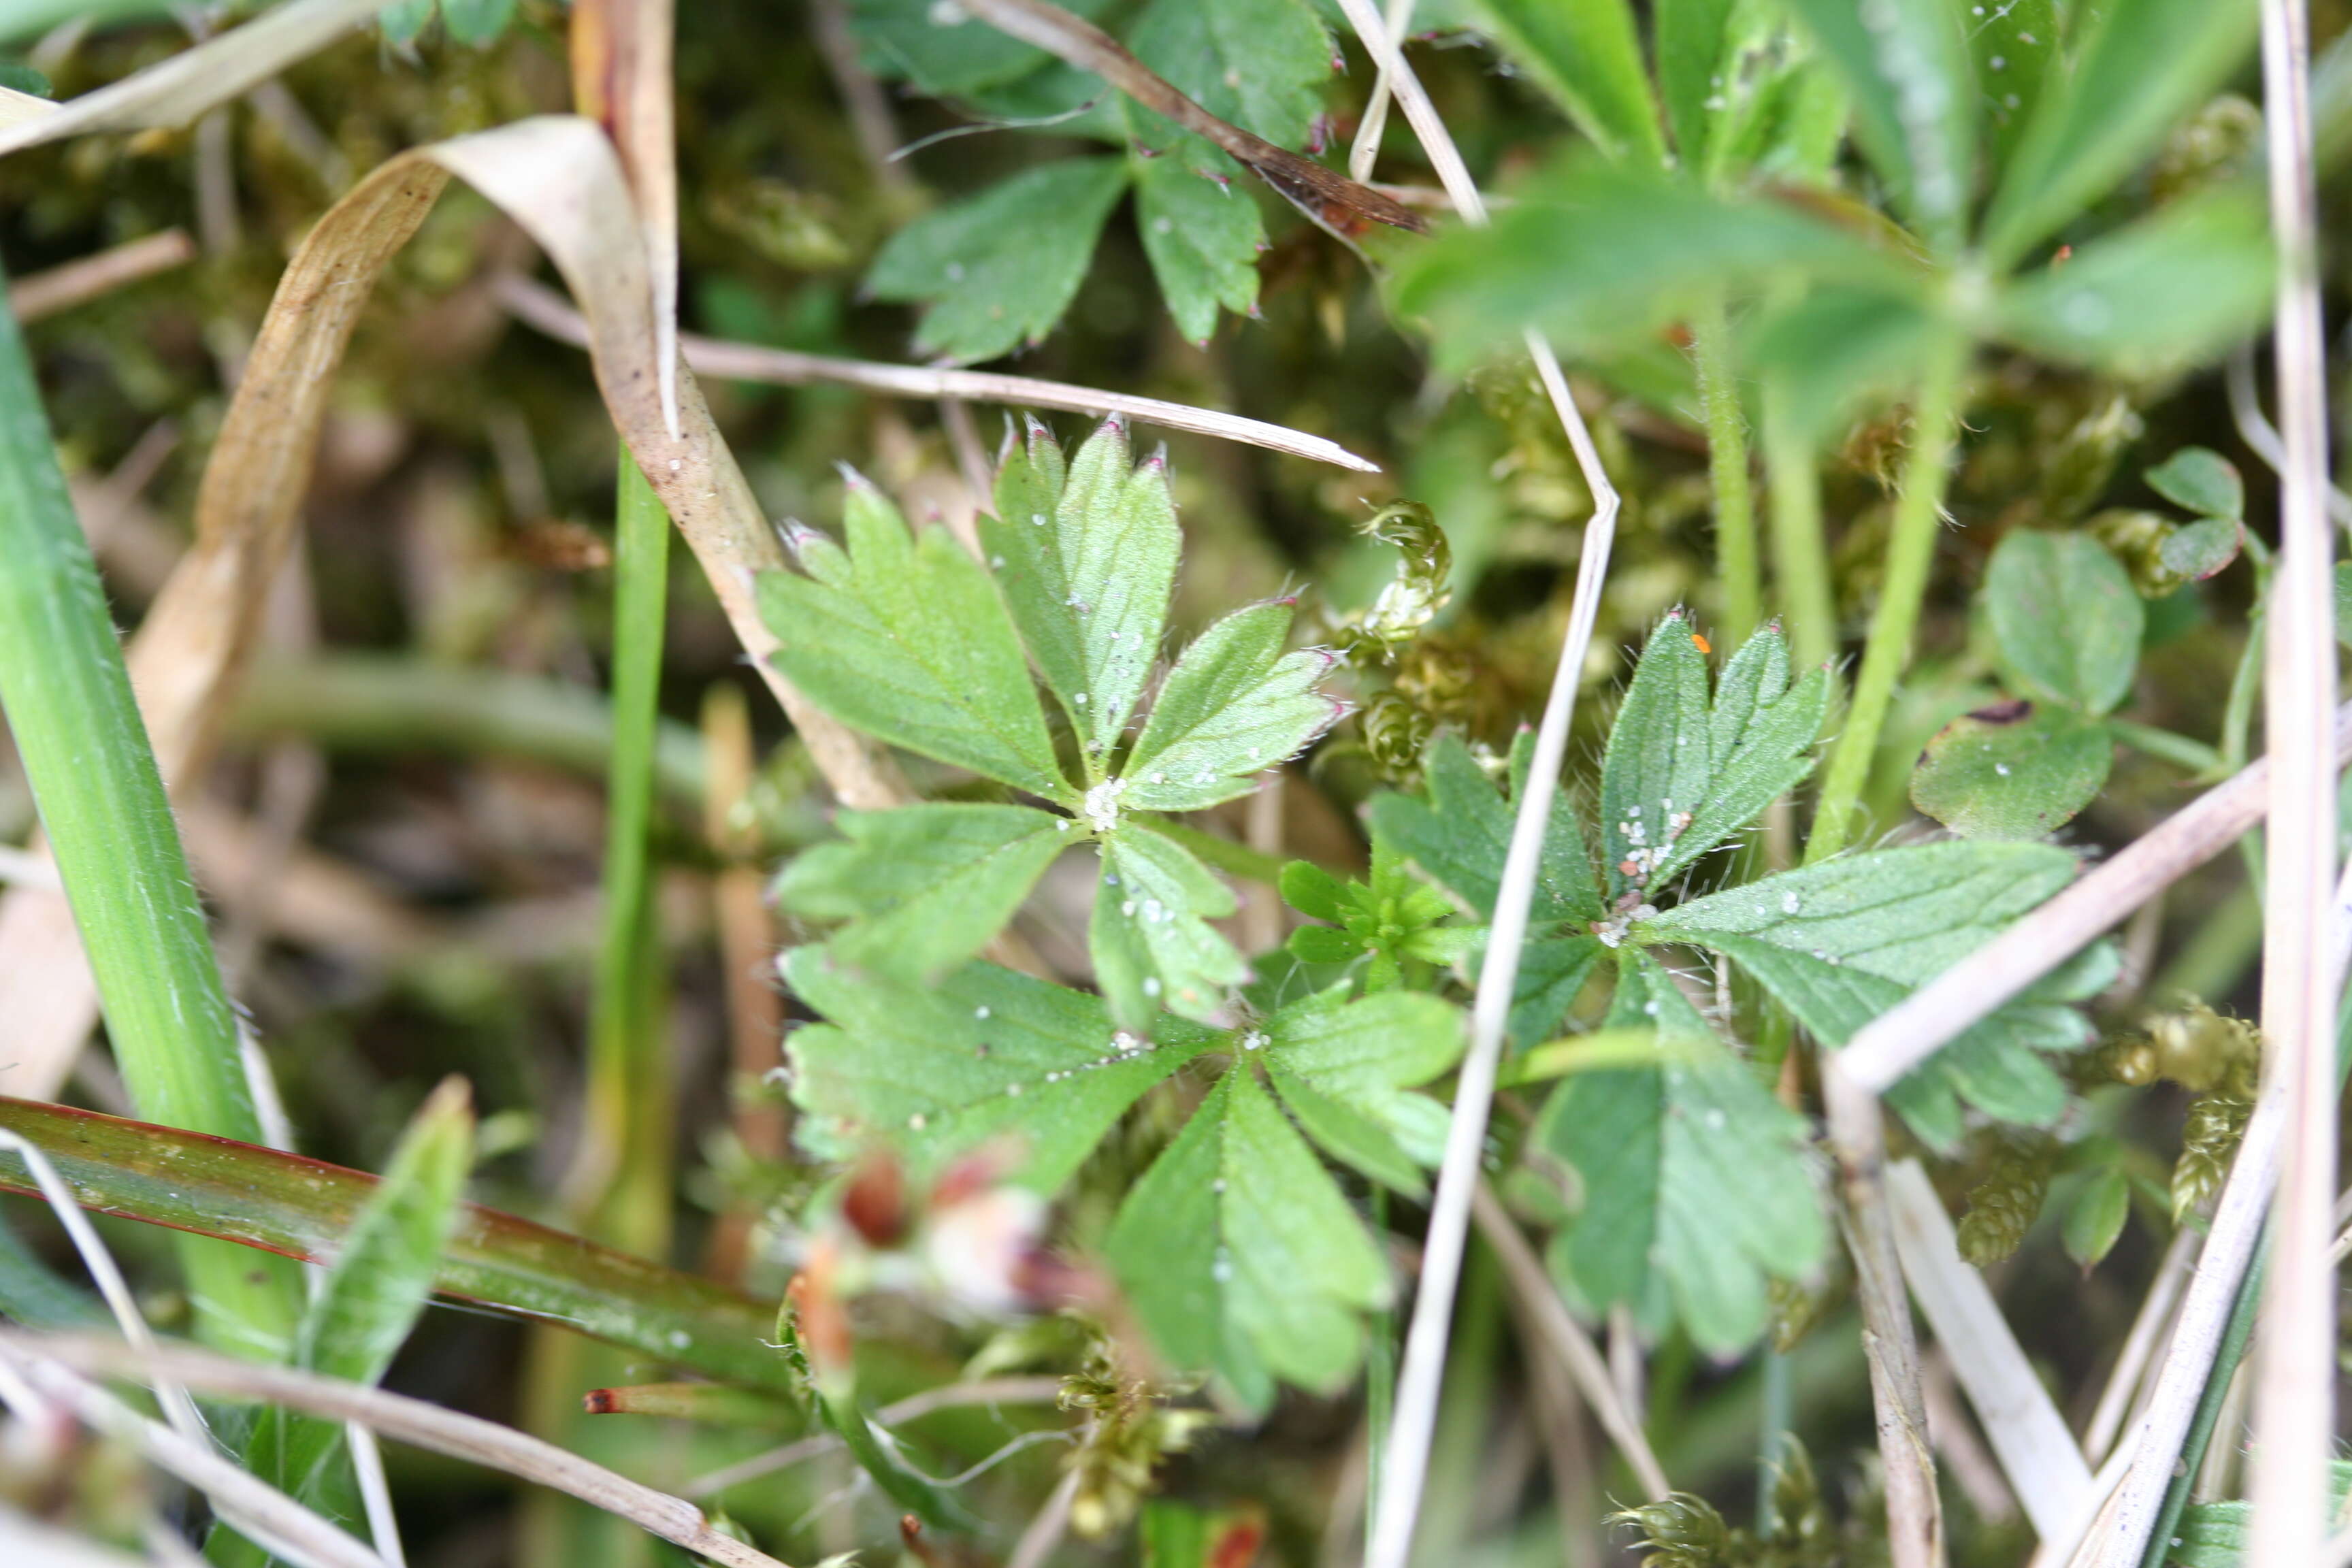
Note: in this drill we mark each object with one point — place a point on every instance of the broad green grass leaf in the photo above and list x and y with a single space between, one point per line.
1599 255
1203 232
1681 774
987 1053
2015 44
2202 480
1696 42
1460 830
1347 1070
2095 1220
1588 56
2160 296
374 1292
1694 1178
925 887
1837 350
1235 706
2016 770
1260 64
2218 1534
907 640
2142 67
1906 914
2066 618
1088 556
1240 1255
943 51
1908 67
997 270
1150 936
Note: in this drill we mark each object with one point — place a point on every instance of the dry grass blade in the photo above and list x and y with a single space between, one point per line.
1569 1345
543 309
2295 1370
1406 1466
1365 150
1331 199
1936 1013
2147 1329
2037 1454
75 283
27 1540
174 91
404 1420
621 77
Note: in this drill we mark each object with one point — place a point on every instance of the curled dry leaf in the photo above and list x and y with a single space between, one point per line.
621 77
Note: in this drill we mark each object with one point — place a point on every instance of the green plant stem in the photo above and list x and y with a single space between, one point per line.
1773 1433
1736 561
77 727
1911 549
1801 552
2166 746
630 1095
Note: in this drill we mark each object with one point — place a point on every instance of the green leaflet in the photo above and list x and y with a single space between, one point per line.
2142 67
1235 706
906 639
1694 1180
2016 770
997 270
1461 833
985 1053
945 52
1240 1255
1260 64
2095 1220
1588 56
38 1296
1202 231
1151 940
2202 480
1088 554
1697 75
2065 617
2157 297
1908 67
1680 777
370 1298
1346 1070
2015 47
925 887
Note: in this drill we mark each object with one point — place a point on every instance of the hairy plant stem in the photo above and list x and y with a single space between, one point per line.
1910 550
77 727
1737 562
1801 552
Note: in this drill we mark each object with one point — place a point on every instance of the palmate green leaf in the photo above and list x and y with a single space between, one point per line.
907 640
1682 774
2157 297
1906 65
1385 920
1552 974
372 1294
1460 834
1347 1070
1260 64
1836 350
1202 231
1601 255
1089 552
985 1054
924 886
1235 706
998 269
1587 54
943 51
2141 68
1151 937
2016 770
2066 618
1240 1255
1694 1179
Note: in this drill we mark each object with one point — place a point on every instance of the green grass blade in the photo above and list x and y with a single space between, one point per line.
76 726
305 1208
